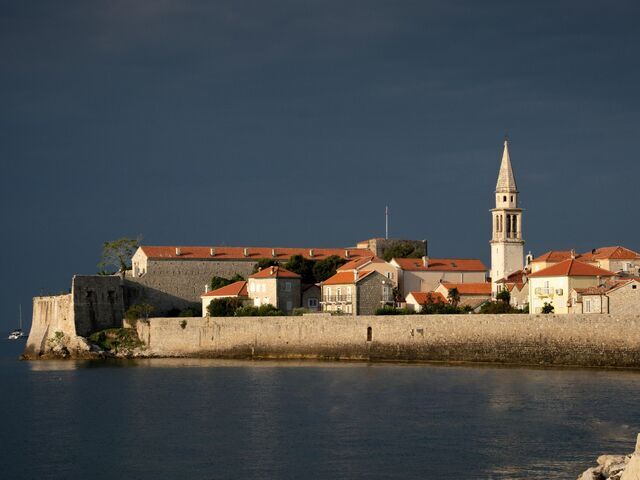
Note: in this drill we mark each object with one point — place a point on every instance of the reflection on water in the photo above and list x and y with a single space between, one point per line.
213 419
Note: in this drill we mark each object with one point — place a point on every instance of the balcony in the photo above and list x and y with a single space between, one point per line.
337 299
544 292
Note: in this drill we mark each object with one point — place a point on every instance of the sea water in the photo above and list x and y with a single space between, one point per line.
214 419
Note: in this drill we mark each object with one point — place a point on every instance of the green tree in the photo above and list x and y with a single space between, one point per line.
139 310
219 282
224 307
504 296
261 311
547 308
117 254
302 266
402 249
263 263
327 267
454 297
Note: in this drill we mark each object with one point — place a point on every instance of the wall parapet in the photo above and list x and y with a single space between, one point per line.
576 340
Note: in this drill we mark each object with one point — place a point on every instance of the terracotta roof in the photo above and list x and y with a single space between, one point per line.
572 268
236 289
274 272
345 278
442 264
515 277
615 253
359 263
483 288
421 297
553 256
253 253
605 288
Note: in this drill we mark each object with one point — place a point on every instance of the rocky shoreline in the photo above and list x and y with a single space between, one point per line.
615 467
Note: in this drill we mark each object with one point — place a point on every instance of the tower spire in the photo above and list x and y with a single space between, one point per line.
506 180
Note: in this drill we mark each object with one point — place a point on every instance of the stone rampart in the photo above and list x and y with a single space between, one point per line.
95 303
579 340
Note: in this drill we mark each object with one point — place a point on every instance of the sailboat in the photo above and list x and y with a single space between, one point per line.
18 333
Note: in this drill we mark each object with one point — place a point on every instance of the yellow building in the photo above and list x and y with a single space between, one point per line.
553 285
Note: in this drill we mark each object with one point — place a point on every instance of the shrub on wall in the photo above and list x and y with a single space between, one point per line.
223 307
139 310
261 311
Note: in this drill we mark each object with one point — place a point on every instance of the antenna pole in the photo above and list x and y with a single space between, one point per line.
20 308
386 223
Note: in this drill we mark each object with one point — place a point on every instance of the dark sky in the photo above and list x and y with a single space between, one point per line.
293 123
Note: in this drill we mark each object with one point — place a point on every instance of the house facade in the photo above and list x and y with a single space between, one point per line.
553 285
416 301
275 286
425 274
613 297
234 290
372 263
472 295
356 292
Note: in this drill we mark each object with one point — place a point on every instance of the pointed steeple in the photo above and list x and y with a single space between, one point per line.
506 179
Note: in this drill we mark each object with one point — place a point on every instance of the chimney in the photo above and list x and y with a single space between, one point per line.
346 254
529 258
425 261
573 254
355 276
206 288
178 251
212 252
273 252
272 270
311 252
245 251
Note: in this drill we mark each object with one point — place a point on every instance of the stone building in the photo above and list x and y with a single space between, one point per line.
275 286
507 245
379 246
175 277
517 284
425 274
311 296
356 292
553 285
614 297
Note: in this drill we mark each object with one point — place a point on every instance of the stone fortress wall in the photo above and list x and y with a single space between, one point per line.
576 340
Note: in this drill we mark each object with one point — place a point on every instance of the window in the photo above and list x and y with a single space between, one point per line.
287 286
338 292
512 198
289 305
504 199
633 287
390 275
312 303
349 294
369 334
265 300
587 306
256 302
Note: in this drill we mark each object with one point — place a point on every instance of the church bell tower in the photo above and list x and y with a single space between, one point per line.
507 246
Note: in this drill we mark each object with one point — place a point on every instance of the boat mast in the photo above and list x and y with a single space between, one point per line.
20 308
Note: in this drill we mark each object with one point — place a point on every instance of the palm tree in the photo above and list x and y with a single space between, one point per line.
454 297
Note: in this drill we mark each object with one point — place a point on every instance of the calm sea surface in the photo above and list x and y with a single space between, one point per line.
207 419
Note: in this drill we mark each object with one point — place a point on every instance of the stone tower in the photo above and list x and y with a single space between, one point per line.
507 246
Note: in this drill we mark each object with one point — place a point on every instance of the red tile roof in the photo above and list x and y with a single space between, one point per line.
442 264
253 253
614 253
606 288
359 263
572 268
483 288
236 289
346 278
274 272
421 297
553 256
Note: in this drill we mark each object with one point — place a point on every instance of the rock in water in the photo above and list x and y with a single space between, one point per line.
632 471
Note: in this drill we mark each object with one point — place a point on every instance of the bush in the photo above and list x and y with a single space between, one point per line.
498 308
139 310
504 296
300 311
403 249
224 307
388 310
547 308
263 263
193 311
303 267
117 340
261 311
219 282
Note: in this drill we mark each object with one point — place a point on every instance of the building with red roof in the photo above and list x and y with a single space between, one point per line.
425 274
356 292
553 285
